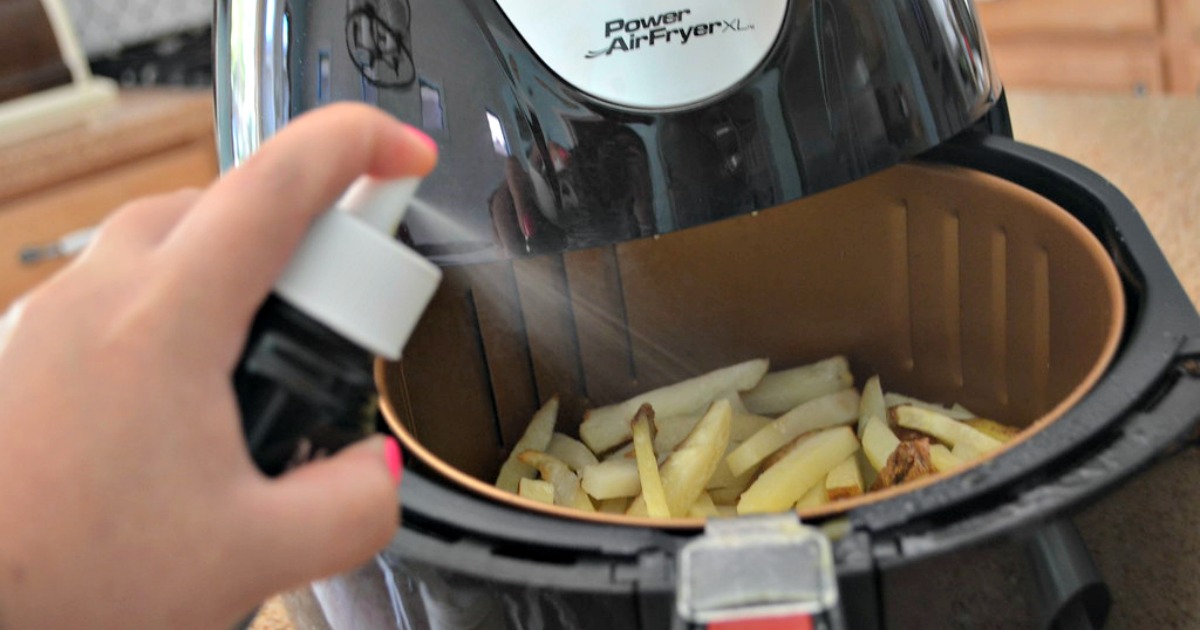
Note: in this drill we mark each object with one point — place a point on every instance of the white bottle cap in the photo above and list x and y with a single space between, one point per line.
351 275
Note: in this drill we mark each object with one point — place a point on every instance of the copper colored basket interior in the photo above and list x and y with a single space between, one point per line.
952 285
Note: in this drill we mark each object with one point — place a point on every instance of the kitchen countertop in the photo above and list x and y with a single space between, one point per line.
1145 538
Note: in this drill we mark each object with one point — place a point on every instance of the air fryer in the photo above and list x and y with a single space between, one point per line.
634 193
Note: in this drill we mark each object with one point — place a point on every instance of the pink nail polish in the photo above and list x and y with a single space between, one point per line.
424 138
395 460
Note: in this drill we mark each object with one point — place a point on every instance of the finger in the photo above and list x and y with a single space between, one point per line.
230 250
144 223
332 515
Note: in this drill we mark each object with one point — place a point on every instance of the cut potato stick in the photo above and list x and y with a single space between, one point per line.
781 486
844 481
536 490
871 405
944 428
722 476
878 443
606 427
536 438
612 479
787 389
625 452
822 413
816 497
943 460
688 469
865 468
572 452
647 464
673 430
966 452
567 491
704 507
745 425
726 511
958 412
994 429
614 506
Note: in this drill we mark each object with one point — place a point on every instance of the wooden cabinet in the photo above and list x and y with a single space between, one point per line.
49 187
1129 46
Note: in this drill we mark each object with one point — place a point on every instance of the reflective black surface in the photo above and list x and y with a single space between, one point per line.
531 165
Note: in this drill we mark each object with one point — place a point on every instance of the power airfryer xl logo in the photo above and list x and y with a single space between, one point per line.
632 34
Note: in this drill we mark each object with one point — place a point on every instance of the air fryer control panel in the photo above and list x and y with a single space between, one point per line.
649 54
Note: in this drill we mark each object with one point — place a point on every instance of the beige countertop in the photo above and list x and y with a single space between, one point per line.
1145 537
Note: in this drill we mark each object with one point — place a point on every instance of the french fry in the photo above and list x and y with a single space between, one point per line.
878 443
704 507
722 476
536 438
816 497
745 425
647 464
572 452
782 391
944 428
607 427
966 452
871 405
612 479
781 486
625 452
614 506
824 412
844 481
1002 432
567 491
673 430
536 490
958 412
943 460
729 494
726 511
688 469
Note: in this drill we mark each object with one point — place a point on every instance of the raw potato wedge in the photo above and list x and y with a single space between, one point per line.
536 438
994 429
824 412
745 425
722 476
844 481
878 443
572 452
958 412
647 464
944 428
671 431
813 498
606 427
785 390
781 486
567 491
612 479
536 490
614 506
688 469
726 511
943 460
965 452
704 507
871 405
625 452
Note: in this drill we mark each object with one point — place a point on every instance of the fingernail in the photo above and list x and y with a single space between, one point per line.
424 138
395 460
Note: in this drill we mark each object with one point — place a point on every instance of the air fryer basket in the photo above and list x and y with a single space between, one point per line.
953 285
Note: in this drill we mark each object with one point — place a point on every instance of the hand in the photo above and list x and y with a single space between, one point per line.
127 496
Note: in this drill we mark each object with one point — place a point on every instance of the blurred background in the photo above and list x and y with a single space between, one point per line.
146 42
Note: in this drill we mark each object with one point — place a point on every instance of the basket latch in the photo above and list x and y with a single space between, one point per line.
757 572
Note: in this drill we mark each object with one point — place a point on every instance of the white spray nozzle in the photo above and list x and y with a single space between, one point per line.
380 203
351 275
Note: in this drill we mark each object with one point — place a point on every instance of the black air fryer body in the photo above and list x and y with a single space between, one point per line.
534 164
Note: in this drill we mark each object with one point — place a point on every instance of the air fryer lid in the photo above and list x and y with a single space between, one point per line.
572 124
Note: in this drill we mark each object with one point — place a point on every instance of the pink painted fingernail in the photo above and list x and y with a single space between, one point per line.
395 460
424 138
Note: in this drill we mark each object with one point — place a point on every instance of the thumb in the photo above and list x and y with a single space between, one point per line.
333 515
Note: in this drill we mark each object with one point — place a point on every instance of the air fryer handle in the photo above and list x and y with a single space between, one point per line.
1071 594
